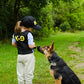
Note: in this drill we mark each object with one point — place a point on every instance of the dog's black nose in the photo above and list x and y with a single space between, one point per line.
34 48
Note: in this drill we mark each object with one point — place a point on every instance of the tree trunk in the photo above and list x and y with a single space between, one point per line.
16 10
1 34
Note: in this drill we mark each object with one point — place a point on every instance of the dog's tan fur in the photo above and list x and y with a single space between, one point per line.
47 54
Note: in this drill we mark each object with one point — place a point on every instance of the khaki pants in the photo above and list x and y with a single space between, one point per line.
25 68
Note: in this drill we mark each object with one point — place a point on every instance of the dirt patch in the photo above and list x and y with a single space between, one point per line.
77 49
70 47
74 47
81 76
76 43
79 65
73 55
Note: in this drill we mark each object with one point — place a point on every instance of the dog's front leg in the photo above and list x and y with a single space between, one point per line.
58 81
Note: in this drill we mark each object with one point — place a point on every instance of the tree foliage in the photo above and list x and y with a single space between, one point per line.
50 14
69 12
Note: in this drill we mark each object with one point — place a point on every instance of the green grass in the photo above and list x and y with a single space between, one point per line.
8 58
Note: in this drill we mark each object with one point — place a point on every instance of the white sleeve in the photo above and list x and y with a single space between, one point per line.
30 38
13 39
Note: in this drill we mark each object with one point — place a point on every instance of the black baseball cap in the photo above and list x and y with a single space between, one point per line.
29 21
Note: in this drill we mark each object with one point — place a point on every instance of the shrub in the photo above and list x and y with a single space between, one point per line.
65 26
82 27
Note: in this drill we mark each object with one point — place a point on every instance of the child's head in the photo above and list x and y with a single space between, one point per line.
27 22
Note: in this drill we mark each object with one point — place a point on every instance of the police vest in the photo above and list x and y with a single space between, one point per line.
22 43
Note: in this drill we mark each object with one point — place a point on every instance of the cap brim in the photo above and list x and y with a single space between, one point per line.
37 27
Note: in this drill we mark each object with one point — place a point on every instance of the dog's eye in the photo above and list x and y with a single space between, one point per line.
47 46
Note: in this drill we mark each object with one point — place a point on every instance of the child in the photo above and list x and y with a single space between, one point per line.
23 41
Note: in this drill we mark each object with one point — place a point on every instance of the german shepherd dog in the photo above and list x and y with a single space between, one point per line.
59 70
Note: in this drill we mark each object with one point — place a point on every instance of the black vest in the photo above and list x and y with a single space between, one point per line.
22 43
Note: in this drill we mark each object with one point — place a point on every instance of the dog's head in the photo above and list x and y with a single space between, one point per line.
46 50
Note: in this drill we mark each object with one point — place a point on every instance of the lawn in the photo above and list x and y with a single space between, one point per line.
69 46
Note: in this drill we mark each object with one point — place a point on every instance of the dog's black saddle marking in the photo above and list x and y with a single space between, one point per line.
69 77
61 69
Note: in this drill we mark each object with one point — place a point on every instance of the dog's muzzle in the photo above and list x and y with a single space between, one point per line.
39 49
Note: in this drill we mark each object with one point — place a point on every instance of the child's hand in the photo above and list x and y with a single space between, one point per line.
32 46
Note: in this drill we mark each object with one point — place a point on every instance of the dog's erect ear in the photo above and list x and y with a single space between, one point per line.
51 48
